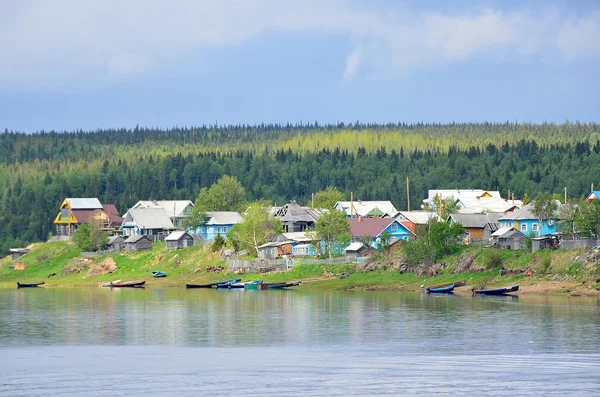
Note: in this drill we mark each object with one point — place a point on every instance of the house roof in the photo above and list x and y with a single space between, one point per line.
356 246
293 212
461 193
507 232
362 208
493 204
83 216
135 238
114 239
275 244
172 207
417 217
223 218
475 220
595 194
524 213
372 227
150 218
177 235
297 236
112 213
84 203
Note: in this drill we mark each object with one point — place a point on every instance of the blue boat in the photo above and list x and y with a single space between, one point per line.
245 284
158 273
227 283
496 291
440 290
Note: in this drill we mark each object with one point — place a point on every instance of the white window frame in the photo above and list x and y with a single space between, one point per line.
523 227
394 226
535 227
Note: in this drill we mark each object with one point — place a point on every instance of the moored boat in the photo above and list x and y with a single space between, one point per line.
227 283
264 286
253 284
110 283
158 273
496 291
130 284
243 285
29 285
216 284
455 284
443 289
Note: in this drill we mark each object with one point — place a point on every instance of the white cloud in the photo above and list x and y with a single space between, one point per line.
62 40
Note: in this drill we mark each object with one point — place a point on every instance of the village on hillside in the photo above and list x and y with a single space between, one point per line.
485 216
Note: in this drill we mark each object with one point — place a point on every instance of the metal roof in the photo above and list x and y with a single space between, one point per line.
475 220
355 246
172 207
223 218
362 208
176 235
525 213
84 203
417 217
151 218
135 238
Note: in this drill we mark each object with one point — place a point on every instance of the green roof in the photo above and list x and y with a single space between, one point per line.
375 212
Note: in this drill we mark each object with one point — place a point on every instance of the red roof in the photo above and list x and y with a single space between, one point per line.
372 227
83 216
112 213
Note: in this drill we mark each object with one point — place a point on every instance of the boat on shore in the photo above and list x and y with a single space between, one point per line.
243 285
129 284
110 283
215 284
455 284
158 273
267 286
440 290
496 291
30 285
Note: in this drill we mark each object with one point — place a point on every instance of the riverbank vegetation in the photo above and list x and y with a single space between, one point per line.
558 271
284 162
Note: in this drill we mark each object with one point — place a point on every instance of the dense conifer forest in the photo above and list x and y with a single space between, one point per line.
283 162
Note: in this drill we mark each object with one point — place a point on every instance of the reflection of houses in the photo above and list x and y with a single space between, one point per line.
176 210
526 222
367 209
76 211
147 222
218 223
179 239
137 243
478 227
115 243
509 237
373 228
295 218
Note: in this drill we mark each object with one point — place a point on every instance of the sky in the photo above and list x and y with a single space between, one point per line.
72 64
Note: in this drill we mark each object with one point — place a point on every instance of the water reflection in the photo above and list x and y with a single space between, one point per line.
411 322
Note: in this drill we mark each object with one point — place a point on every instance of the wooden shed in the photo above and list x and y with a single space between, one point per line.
115 243
179 239
138 243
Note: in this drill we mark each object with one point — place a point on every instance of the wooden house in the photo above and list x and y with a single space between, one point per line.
478 227
274 249
218 223
367 209
594 195
295 218
153 222
137 243
373 228
76 211
179 239
355 250
115 243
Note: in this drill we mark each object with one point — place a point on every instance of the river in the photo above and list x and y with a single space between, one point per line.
96 342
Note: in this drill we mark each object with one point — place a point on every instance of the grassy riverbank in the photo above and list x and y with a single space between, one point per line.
561 272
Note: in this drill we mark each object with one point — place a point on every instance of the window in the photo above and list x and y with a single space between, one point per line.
219 230
523 227
534 227
394 226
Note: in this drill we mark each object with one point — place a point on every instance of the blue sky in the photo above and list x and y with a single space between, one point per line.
70 64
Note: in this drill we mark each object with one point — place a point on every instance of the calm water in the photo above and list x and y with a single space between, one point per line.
93 342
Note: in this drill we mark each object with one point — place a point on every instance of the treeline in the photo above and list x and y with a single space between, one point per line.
129 144
31 192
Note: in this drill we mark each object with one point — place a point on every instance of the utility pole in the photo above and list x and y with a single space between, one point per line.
565 195
351 204
407 194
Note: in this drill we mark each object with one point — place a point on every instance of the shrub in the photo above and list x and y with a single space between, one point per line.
492 258
545 264
218 243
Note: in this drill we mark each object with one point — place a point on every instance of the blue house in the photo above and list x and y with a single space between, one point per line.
375 227
526 222
218 223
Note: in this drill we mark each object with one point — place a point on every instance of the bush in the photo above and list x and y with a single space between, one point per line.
545 264
492 259
218 243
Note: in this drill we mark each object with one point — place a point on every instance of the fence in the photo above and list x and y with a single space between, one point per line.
333 261
259 265
568 244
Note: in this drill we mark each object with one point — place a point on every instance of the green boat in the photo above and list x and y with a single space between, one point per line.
158 273
255 285
264 286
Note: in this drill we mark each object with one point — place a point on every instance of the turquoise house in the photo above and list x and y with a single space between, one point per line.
218 223
375 227
526 222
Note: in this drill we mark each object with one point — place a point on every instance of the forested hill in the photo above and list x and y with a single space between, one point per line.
282 162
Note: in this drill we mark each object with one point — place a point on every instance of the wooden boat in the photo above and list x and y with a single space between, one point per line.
253 284
455 284
158 273
129 284
264 286
496 291
243 285
214 285
29 285
443 289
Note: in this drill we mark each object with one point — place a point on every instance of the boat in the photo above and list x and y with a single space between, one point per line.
253 284
215 284
158 273
110 283
455 284
130 284
243 285
29 285
264 286
443 289
496 291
